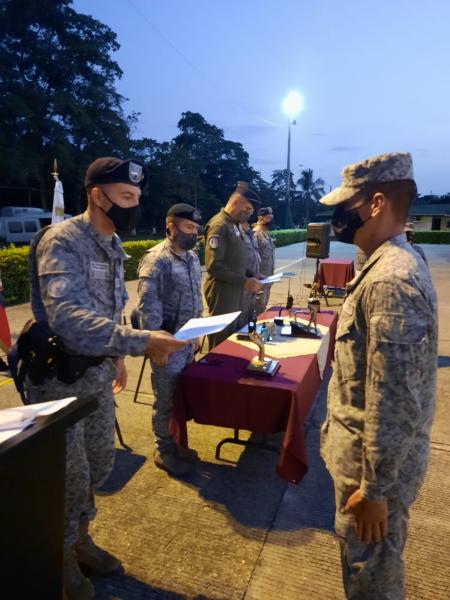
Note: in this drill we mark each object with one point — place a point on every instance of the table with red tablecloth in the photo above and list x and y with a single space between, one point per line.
219 392
335 273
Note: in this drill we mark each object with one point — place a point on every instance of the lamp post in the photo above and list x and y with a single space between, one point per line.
292 105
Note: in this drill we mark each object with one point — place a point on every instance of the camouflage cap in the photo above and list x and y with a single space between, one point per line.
395 166
184 211
243 188
114 170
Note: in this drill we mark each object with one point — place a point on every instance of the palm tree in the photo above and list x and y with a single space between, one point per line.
310 189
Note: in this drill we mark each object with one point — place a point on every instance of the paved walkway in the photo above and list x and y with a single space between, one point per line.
234 530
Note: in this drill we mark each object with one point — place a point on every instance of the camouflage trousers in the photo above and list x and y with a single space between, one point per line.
248 306
89 443
373 571
164 382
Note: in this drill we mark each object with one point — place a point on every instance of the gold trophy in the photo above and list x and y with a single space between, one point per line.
260 365
310 331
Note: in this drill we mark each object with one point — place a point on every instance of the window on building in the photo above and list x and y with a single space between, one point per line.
418 218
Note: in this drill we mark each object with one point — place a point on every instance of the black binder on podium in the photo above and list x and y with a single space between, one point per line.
32 469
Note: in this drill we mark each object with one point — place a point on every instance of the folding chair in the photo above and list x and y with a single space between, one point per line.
134 320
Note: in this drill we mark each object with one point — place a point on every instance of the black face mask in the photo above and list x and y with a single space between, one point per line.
186 241
346 223
124 219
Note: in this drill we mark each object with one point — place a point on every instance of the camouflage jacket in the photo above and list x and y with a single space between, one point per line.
381 395
266 249
253 258
77 286
169 288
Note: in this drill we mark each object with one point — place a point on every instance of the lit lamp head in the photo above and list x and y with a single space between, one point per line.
292 104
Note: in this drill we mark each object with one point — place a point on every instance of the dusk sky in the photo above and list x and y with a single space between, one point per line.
375 76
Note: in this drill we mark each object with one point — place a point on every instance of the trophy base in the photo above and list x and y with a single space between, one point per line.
300 330
268 369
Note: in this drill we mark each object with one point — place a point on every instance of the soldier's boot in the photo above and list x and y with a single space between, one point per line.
90 555
187 454
172 463
76 585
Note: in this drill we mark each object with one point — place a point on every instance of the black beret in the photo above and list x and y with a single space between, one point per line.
115 170
184 211
265 210
243 188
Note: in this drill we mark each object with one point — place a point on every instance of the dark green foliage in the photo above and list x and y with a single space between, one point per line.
432 237
57 96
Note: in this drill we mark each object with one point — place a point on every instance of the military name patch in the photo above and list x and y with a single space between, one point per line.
99 270
214 241
58 287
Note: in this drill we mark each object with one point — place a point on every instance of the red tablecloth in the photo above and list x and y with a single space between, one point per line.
336 273
222 394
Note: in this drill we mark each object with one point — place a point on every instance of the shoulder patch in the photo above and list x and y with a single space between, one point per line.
214 241
58 287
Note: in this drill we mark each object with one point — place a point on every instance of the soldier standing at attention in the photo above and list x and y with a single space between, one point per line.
266 248
78 289
381 398
169 295
226 258
253 268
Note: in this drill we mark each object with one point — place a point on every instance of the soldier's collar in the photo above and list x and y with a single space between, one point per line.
397 240
228 216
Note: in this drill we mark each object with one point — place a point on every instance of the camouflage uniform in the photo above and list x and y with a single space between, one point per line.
253 268
360 260
380 408
420 252
226 265
169 295
266 249
77 286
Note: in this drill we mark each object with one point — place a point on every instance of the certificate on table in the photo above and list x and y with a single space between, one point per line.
196 328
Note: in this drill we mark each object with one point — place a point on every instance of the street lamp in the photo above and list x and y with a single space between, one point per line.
292 105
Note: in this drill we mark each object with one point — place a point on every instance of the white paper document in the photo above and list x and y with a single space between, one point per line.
272 279
196 328
14 420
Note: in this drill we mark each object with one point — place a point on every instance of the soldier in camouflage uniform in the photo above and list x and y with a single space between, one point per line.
381 398
226 259
409 231
77 287
253 268
266 249
169 295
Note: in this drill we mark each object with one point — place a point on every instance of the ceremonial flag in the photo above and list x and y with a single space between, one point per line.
58 201
5 334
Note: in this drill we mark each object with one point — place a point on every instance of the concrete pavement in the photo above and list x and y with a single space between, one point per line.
234 530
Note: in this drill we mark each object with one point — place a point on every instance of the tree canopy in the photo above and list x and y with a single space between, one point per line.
58 99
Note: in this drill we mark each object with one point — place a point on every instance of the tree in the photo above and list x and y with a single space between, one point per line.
57 95
311 190
279 190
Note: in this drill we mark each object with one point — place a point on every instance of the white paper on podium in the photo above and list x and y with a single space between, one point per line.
272 279
14 420
196 328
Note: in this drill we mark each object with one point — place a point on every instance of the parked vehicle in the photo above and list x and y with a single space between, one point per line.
20 224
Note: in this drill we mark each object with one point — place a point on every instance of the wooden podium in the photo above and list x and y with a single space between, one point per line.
32 469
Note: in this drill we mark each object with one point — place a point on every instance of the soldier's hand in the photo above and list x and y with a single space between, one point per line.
120 380
252 285
160 345
371 518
